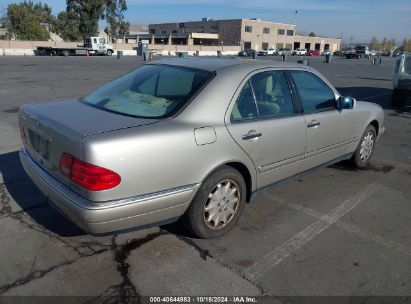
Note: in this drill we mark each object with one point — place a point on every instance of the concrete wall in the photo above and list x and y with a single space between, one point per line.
26 48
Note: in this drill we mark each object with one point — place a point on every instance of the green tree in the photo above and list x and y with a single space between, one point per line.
86 14
67 26
114 15
312 34
29 21
375 44
406 45
392 44
384 45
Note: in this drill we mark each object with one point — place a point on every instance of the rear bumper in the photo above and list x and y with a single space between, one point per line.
104 217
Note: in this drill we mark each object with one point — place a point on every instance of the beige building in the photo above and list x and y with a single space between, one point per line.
245 33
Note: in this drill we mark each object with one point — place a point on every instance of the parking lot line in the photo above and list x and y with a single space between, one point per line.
280 253
354 229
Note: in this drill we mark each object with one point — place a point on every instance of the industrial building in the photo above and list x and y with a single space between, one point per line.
243 33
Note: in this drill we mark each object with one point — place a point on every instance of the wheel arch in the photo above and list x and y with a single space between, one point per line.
245 173
376 125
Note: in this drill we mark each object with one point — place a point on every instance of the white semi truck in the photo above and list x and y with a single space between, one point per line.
91 46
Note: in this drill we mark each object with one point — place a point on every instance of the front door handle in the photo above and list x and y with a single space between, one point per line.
313 123
252 134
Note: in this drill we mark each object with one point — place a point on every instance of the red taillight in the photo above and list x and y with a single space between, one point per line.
66 162
88 176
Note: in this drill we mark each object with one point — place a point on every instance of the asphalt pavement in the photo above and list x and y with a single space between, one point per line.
335 232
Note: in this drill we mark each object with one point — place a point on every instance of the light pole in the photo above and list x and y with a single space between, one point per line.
162 43
201 42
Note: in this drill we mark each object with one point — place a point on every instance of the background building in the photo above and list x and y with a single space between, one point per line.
245 33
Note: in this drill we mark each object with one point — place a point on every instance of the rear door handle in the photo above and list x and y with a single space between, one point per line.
252 134
313 123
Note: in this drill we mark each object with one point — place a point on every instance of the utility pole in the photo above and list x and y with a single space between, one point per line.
295 19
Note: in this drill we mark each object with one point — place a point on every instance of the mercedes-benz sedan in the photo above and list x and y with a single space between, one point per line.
191 138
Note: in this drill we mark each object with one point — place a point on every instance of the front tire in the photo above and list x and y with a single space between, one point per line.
109 52
217 205
365 148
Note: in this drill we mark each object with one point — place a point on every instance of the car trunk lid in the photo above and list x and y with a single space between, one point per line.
51 129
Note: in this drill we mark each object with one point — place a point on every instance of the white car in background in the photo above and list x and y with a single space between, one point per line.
266 52
299 52
401 80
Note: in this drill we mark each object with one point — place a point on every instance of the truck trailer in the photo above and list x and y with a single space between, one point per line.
91 46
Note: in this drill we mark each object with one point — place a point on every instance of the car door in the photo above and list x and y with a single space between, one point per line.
329 129
266 124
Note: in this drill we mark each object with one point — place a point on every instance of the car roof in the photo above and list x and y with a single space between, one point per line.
219 64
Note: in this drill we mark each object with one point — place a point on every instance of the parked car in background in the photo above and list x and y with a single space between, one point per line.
266 52
401 80
284 51
243 53
326 52
194 138
313 53
299 52
246 52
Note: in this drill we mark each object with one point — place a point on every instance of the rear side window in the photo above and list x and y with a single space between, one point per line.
244 108
407 65
315 94
272 94
151 91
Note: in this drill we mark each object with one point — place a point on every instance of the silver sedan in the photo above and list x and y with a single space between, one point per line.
191 138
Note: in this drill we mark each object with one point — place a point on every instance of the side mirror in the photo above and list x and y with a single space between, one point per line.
345 103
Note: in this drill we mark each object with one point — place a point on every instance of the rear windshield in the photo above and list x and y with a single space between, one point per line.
407 65
151 91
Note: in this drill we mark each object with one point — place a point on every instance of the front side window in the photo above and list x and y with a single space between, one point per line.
315 94
272 94
151 91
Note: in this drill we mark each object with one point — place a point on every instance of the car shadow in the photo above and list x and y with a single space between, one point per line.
21 197
380 96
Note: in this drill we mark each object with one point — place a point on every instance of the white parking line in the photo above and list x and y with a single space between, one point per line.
355 229
280 253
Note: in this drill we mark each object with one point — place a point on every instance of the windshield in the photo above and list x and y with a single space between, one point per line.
151 91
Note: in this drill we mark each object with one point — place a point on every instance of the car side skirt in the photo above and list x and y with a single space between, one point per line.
260 191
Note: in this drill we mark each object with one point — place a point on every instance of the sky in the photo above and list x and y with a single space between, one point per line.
353 20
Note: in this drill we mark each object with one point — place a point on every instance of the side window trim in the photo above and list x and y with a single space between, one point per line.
255 99
294 94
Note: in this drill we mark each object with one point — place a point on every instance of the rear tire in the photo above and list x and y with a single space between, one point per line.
217 205
365 148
